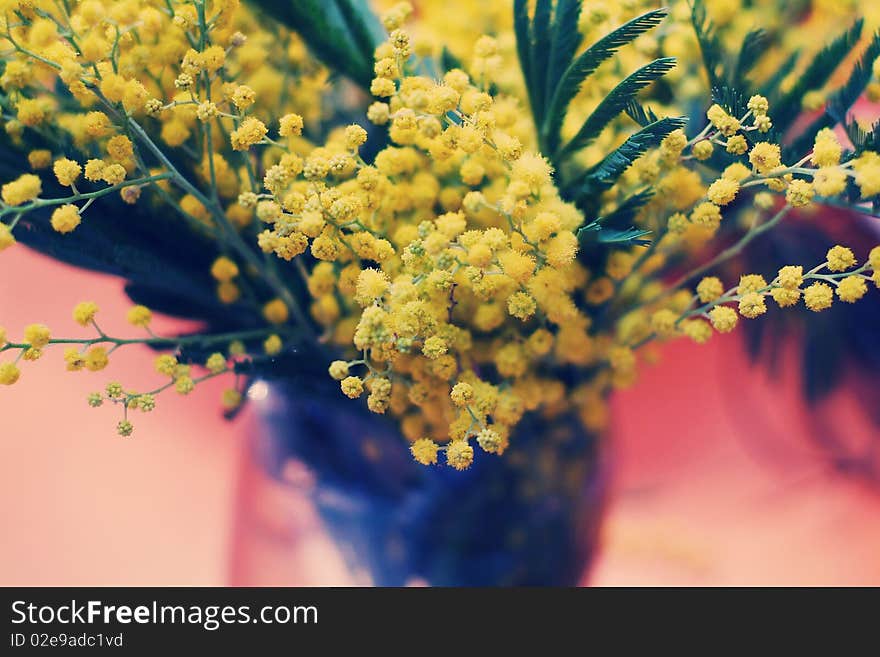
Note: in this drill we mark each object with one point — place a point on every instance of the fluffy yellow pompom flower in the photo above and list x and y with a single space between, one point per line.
827 149
290 125
73 359
6 237
338 369
184 385
765 157
250 132
139 316
799 193
874 258
66 218
867 174
371 285
709 289
725 123
352 387
752 305
459 454
663 323
791 276
424 451
39 158
818 296
434 347
113 174
66 171
275 312
521 305
37 335
120 148
216 363
723 191
85 312
723 319
462 393
243 97
355 137
490 441
25 188
231 399
840 258
851 289
9 374
697 330
165 364
272 345
224 269
750 283
785 297
703 149
830 181
96 359
94 169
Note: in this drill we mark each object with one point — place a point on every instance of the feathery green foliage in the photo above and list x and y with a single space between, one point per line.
566 87
342 33
605 173
614 103
815 76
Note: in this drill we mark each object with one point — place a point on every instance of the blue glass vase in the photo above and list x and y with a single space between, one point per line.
527 518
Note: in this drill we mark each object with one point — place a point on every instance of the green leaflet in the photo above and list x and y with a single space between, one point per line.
342 33
606 173
566 87
816 75
614 103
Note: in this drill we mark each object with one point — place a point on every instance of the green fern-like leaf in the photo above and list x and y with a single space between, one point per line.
841 100
642 115
607 172
710 45
540 54
770 87
566 87
342 33
750 52
816 75
566 40
616 236
625 213
614 103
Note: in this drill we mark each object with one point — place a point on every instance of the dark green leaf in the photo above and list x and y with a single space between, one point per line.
606 173
615 102
710 44
841 100
750 52
540 55
341 33
815 76
522 27
642 115
624 237
770 88
566 40
625 213
584 65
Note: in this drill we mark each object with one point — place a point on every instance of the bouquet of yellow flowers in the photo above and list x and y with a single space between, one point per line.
468 217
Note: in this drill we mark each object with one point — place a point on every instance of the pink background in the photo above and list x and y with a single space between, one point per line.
716 482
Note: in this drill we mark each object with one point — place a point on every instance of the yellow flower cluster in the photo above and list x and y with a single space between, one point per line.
446 270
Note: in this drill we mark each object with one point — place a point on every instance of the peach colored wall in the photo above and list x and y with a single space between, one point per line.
702 496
